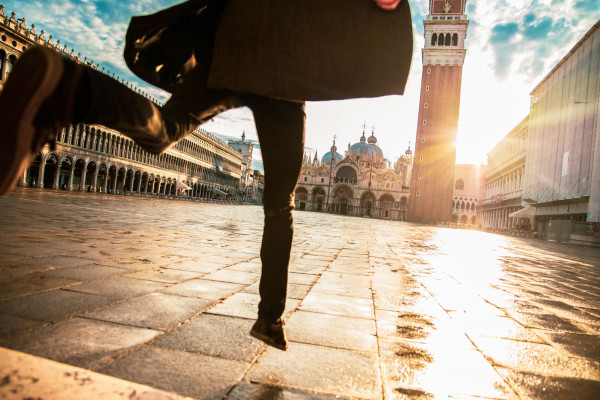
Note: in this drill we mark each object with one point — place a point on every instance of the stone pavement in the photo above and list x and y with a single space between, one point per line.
163 293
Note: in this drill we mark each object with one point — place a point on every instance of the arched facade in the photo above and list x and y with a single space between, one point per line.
358 184
96 159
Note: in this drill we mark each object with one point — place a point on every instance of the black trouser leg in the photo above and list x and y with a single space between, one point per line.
280 127
155 128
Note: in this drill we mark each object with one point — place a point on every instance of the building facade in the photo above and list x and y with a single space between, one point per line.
467 178
96 159
246 190
431 189
360 183
503 183
562 172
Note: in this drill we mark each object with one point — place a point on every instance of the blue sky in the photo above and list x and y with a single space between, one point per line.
511 46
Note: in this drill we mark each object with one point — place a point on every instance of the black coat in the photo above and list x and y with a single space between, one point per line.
294 50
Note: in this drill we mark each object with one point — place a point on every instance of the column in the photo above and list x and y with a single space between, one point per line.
56 176
139 185
71 174
82 182
40 182
94 181
131 183
114 184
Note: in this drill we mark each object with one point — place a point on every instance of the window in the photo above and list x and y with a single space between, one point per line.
424 122
427 88
425 105
419 176
429 70
418 194
422 140
455 39
434 39
459 185
420 158
322 179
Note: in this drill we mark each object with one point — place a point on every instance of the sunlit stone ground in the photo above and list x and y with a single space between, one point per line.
163 293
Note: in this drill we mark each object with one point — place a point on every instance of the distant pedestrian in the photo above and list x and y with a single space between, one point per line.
214 55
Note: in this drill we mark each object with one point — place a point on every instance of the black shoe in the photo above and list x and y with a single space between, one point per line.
32 85
272 333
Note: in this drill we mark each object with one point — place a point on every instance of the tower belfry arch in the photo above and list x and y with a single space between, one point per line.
431 189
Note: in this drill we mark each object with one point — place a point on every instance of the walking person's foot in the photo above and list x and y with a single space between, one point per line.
27 119
272 333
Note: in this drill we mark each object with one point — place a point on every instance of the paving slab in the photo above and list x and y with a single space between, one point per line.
167 275
251 390
82 342
121 287
25 284
155 310
245 305
53 306
204 289
189 374
214 335
320 369
332 330
338 305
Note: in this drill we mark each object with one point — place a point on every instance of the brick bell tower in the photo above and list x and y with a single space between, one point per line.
435 152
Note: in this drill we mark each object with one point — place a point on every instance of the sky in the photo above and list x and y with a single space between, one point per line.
511 46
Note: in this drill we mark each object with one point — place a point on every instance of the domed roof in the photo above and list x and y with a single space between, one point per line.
364 151
329 155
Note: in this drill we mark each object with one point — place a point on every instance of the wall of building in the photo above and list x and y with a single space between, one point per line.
503 181
562 174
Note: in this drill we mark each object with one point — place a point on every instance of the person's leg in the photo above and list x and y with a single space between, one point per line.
152 127
280 126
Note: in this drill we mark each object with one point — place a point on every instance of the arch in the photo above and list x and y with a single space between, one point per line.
301 198
89 176
121 177
78 174
367 204
112 179
464 219
342 200
459 185
127 186
318 199
144 182
448 39
10 63
51 167
434 39
346 174
386 204
101 178
137 181
455 39
64 172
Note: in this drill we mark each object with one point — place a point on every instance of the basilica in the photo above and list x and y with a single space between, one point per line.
359 183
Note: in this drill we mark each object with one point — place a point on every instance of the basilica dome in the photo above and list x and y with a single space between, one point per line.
326 159
364 151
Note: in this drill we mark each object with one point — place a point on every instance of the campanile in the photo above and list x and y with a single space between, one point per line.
435 152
